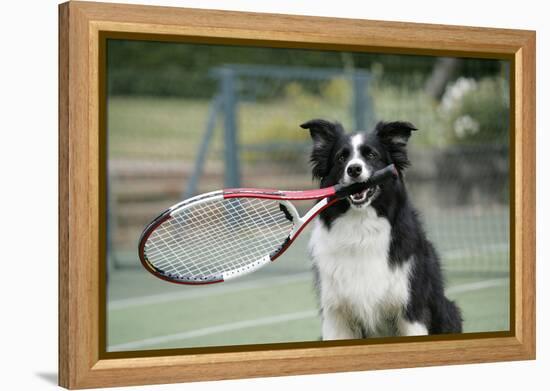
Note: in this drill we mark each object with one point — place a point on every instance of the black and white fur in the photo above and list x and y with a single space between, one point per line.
377 273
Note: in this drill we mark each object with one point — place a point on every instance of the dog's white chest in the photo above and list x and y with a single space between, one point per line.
354 269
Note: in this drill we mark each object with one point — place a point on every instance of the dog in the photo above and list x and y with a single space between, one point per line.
376 272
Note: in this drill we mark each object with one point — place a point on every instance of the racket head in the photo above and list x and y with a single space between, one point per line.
209 238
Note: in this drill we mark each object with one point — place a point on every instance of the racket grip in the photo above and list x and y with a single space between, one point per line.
378 177
382 175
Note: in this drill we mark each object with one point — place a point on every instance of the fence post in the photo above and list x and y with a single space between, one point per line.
231 153
191 188
360 101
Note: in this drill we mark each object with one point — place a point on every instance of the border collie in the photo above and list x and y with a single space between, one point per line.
377 273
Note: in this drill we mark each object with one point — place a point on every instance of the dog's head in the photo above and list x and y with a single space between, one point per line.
340 158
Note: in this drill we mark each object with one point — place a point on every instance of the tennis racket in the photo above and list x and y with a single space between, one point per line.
224 234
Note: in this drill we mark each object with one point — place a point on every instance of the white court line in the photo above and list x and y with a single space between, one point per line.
236 287
475 286
460 253
273 320
214 330
197 292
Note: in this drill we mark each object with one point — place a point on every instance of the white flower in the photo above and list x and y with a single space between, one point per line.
465 125
455 92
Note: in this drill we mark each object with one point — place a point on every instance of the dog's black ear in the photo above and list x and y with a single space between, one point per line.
397 132
395 136
324 135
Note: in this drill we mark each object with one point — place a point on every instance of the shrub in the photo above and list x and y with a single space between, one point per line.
479 113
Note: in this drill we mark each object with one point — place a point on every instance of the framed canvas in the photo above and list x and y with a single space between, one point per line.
157 104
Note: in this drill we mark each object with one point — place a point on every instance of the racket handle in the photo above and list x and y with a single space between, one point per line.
382 175
378 177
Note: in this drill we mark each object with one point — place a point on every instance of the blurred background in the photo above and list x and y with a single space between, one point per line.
185 119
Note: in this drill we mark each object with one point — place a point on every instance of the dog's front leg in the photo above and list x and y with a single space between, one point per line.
409 328
336 325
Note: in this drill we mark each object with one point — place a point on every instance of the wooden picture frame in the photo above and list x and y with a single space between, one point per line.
83 28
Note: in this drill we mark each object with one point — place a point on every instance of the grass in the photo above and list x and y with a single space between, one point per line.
173 128
152 127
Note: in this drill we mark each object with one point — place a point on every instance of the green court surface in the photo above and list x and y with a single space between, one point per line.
275 304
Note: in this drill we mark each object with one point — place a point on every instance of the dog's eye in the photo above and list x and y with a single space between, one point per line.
342 158
371 155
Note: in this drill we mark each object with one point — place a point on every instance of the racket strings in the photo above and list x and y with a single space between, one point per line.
217 236
232 244
213 251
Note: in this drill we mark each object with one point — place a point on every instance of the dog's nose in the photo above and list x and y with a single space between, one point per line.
354 170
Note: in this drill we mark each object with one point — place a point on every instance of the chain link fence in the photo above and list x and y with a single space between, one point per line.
161 149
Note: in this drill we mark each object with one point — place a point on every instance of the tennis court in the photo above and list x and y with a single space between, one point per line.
278 303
